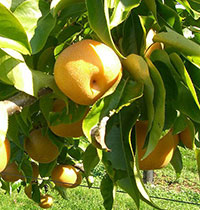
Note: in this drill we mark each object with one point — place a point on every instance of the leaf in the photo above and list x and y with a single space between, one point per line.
197 155
36 193
179 124
121 11
108 190
159 109
133 38
58 5
12 33
90 159
192 11
151 4
26 167
99 21
183 101
46 168
179 65
13 133
168 17
126 92
3 123
177 163
120 158
138 68
17 73
127 119
37 20
178 42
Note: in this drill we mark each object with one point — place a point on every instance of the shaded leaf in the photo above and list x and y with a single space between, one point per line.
108 190
90 159
159 109
46 168
177 163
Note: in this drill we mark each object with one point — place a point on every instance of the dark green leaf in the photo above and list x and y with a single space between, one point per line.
159 109
107 189
90 159
133 39
177 163
27 169
36 193
168 17
46 168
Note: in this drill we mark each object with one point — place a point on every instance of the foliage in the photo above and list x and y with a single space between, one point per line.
165 89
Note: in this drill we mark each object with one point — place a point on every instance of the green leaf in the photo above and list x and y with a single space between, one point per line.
127 118
17 73
99 21
177 163
179 124
4 122
192 11
197 155
159 109
12 33
183 101
90 159
120 158
133 38
121 11
46 168
13 133
58 5
36 193
151 4
178 42
37 20
138 68
62 191
168 17
108 190
126 92
26 167
179 65
6 91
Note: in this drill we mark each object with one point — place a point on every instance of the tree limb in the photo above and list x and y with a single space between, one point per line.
17 102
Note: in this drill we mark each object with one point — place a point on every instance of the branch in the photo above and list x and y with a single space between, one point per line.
18 102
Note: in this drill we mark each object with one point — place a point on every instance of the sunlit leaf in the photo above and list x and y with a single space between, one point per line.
12 33
37 21
99 21
121 11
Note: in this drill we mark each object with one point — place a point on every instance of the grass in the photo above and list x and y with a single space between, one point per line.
187 188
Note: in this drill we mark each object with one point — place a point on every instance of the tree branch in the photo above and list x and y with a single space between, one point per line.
19 101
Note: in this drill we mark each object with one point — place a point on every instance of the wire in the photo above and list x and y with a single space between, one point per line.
93 187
